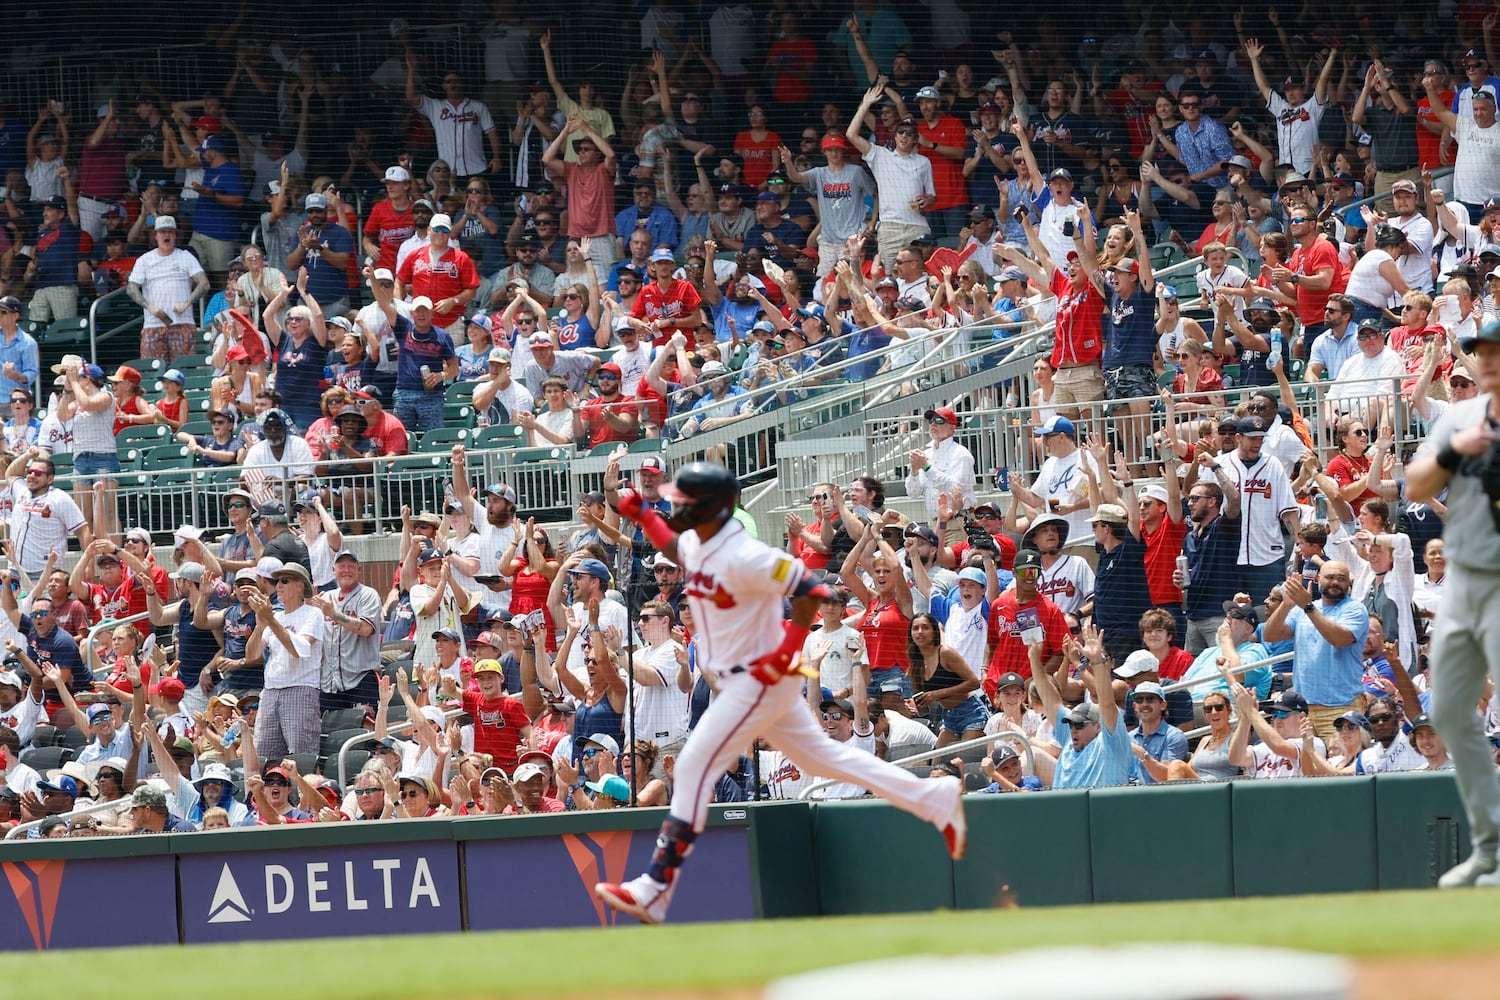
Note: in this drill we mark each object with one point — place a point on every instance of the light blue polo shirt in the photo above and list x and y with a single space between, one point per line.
1329 675
1105 761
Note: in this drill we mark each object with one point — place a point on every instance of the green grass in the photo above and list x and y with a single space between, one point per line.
704 957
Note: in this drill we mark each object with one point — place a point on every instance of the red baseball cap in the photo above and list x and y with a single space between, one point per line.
487 638
834 142
207 123
170 688
125 373
943 413
237 353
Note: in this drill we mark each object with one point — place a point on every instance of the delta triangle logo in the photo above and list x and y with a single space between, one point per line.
613 848
36 885
228 906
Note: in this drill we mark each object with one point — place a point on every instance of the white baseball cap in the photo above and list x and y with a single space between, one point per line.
421 302
397 174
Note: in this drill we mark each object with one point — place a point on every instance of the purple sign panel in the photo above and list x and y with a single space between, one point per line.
336 891
88 902
549 881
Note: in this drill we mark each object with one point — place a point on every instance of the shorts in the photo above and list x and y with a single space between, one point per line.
168 342
88 466
215 255
966 715
1078 384
1130 382
53 303
894 677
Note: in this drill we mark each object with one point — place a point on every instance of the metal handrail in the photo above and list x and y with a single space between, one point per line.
398 727
94 322
928 755
20 830
1240 670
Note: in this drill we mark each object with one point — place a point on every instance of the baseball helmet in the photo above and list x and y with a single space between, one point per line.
702 492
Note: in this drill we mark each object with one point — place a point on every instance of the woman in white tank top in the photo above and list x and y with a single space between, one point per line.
320 533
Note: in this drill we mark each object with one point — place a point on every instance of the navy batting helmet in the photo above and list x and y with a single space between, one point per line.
702 492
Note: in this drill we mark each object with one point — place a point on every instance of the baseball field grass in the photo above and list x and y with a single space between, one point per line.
1417 927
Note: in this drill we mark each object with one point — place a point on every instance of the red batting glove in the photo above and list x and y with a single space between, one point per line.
630 505
772 667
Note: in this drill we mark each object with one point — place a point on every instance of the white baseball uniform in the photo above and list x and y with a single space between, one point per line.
1265 494
1069 583
736 586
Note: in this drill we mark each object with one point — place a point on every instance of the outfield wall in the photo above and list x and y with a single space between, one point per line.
756 860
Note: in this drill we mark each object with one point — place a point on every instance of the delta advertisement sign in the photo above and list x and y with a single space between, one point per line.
549 881
342 890
88 903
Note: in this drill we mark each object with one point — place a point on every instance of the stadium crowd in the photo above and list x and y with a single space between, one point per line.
1207 577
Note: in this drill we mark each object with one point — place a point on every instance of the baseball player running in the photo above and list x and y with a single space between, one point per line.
1462 453
735 586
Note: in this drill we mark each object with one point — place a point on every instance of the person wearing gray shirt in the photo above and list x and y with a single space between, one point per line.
1463 454
841 190
351 655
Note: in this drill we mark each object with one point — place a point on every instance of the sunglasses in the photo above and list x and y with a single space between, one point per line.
1381 718
412 793
909 132
1189 104
277 783
41 614
1215 708
1342 725
442 229
367 791
833 716
36 472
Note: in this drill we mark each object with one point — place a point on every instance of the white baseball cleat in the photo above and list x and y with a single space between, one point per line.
1471 871
956 829
643 898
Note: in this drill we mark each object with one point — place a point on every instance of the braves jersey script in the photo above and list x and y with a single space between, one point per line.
1265 493
735 586
1069 583
671 307
390 229
1265 764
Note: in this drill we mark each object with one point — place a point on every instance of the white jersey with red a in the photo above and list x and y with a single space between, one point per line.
735 586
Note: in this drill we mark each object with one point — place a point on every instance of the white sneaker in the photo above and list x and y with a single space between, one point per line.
956 827
643 898
1476 869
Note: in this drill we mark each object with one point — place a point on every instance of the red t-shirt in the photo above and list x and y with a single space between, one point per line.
600 432
439 279
129 598
498 725
390 229
1006 624
591 200
1006 544
1175 665
549 805
656 403
947 174
1428 142
885 630
1080 315
810 557
389 433
528 593
1209 380
793 61
1163 546
1345 469
1408 344
1309 261
672 307
757 155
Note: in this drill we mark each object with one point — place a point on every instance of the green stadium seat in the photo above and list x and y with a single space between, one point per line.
498 436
